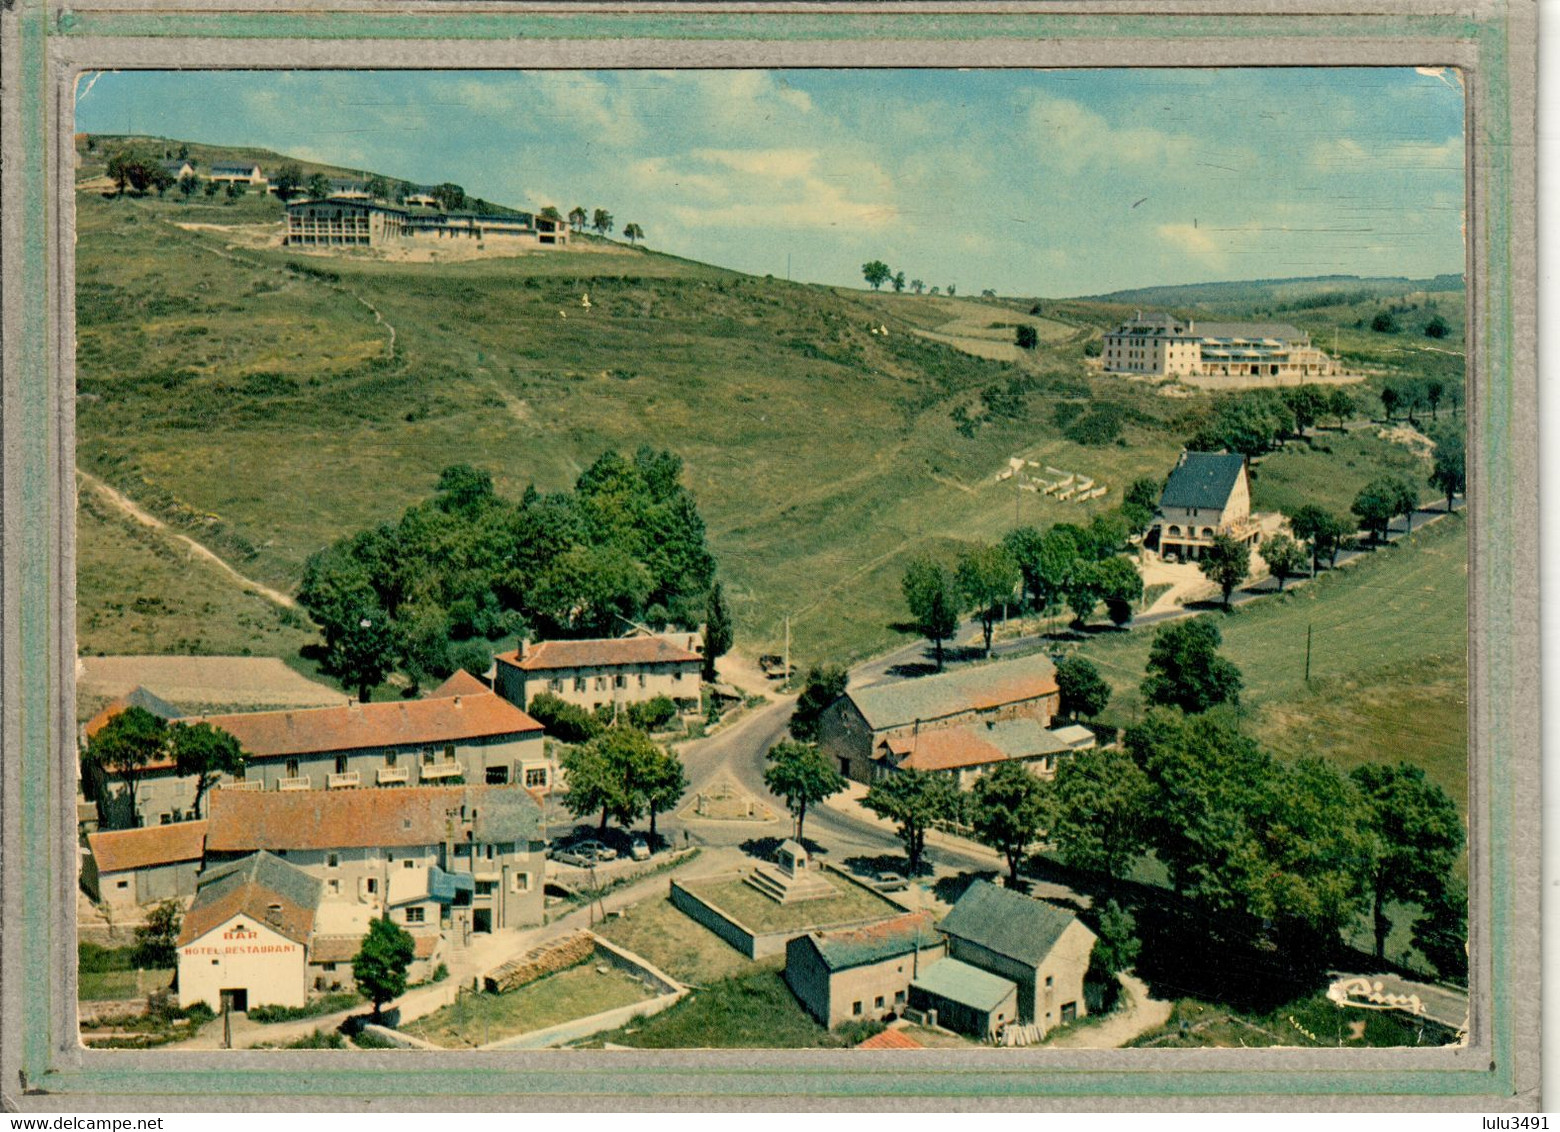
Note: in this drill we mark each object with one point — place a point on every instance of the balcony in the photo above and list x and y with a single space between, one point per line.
342 781
299 783
251 784
450 769
389 775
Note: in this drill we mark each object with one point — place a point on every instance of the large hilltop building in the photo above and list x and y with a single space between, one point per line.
350 219
1162 345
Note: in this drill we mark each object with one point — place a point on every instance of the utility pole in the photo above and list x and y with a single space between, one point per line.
1308 652
786 659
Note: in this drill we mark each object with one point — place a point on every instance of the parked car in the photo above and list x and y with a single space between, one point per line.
891 882
639 850
585 854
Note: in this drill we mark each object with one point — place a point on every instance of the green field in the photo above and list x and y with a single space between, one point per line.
753 1011
251 397
688 952
476 1018
753 910
1309 1023
1389 649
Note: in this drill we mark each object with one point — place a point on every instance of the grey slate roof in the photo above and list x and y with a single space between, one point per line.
977 687
141 698
262 868
1203 479
1281 330
968 986
887 939
504 815
1009 923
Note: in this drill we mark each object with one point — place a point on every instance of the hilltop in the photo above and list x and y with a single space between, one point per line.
267 402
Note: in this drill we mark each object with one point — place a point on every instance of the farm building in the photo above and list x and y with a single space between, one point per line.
866 972
966 752
238 174
865 726
1042 949
462 731
1163 345
129 868
612 671
965 998
1208 494
469 855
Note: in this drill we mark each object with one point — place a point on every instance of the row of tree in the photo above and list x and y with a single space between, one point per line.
468 567
622 774
599 221
135 740
877 273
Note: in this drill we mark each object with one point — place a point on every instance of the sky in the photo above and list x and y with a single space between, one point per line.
1051 183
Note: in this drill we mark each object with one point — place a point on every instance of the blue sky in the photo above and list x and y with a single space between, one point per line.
1030 182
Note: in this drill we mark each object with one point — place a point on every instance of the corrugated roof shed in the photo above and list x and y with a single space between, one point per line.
1203 480
1007 922
964 984
856 947
975 688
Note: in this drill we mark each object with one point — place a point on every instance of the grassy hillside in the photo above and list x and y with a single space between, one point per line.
252 396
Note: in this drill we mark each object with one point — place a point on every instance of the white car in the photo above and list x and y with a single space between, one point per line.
585 854
639 850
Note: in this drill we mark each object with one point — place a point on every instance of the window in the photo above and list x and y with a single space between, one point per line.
899 997
341 764
484 888
498 776
328 966
409 863
855 1008
677 675
333 886
427 756
373 885
122 884
536 776
620 681
1048 981
414 915
332 860
389 759
601 683
165 819
462 849
579 683
488 853
1069 1012
641 679
506 847
555 686
292 768
520 882
877 1003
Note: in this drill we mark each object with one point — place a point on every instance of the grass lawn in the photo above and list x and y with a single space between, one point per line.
752 1011
754 910
1310 1023
1388 660
1330 471
476 1018
107 986
683 949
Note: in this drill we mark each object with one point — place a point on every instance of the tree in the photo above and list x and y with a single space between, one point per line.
235 190
917 286
1082 591
932 595
464 490
1144 493
1119 585
876 273
1434 389
1441 932
1101 801
633 233
802 775
824 684
601 221
1449 473
450 196
1307 403
663 782
1008 808
204 753
1340 404
1084 692
1436 327
718 633
987 577
1185 669
1321 531
380 965
157 940
617 772
125 746
1285 558
915 799
1226 564
563 720
1116 944
1391 399
1378 502
1415 838
210 189
577 218
951 290
1026 337
1385 322
319 187
365 651
187 186
898 282
378 187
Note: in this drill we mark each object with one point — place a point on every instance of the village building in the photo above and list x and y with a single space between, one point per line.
861 973
965 998
869 732
238 174
348 218
1042 950
470 857
461 732
1208 494
967 752
620 670
244 941
1163 345
177 169
128 869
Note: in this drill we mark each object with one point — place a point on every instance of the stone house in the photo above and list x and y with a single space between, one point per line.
592 673
129 868
1208 494
864 727
852 974
968 751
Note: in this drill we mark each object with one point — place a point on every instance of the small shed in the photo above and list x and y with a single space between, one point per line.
965 998
128 868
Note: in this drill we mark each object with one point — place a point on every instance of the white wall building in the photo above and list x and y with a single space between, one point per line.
1162 345
591 673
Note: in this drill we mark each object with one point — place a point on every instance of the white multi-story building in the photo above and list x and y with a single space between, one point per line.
1162 345
611 671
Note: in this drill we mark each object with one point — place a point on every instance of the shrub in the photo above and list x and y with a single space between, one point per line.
364 1040
652 715
1384 323
563 720
326 1004
1093 348
854 1032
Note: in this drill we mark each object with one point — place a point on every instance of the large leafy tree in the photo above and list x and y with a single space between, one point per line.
1415 838
633 233
614 773
1101 801
1024 546
1441 931
1340 404
876 273
932 595
365 651
1379 502
381 963
1082 590
601 221
1009 807
1307 403
914 800
288 181
988 578
577 218
1449 473
802 775
204 753
1120 586
662 781
718 634
1084 693
125 746
1285 557
1185 669
318 187
1226 564
157 940
825 683
1321 531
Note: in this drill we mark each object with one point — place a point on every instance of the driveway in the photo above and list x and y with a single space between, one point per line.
1141 1014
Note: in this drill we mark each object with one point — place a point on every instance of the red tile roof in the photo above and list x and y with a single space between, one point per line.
244 821
118 850
254 887
445 719
462 683
890 1039
954 748
599 654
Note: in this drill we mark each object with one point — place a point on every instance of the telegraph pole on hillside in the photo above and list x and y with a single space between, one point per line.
1308 652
